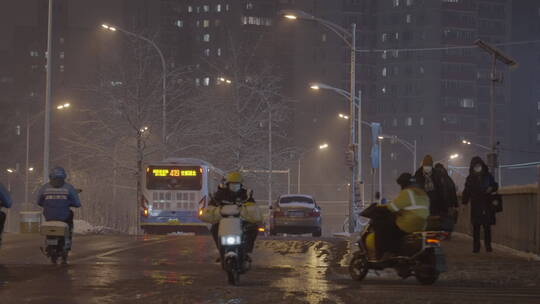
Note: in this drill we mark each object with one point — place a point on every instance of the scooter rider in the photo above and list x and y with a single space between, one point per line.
410 210
5 201
233 191
56 197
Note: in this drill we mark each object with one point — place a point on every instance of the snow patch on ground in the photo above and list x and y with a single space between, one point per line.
83 227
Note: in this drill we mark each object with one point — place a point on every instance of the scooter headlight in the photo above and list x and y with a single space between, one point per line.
230 240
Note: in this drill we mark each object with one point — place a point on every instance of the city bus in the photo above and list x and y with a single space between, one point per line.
174 190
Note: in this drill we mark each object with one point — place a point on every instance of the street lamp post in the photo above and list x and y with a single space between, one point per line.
496 55
28 169
48 96
321 147
349 37
114 28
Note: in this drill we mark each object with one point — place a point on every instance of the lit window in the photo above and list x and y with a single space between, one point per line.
408 121
116 83
197 82
198 23
384 37
206 37
34 54
198 9
206 8
395 53
207 52
206 23
190 9
249 5
206 81
179 23
61 55
421 121
408 18
62 68
383 54
396 3
219 51
538 122
384 72
466 103
393 156
218 8
227 7
383 90
396 35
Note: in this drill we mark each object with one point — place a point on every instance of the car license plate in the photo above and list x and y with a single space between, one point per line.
52 242
295 214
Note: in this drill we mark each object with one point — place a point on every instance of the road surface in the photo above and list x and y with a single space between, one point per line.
181 269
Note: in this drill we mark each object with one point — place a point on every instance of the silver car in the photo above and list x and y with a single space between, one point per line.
295 214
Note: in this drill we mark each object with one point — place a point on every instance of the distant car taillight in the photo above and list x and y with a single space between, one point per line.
314 213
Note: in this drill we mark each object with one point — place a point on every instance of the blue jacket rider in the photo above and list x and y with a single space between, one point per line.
57 196
5 201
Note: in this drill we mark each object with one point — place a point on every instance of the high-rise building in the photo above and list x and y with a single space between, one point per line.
432 83
524 125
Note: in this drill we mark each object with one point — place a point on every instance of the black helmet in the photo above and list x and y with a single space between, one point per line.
405 180
57 173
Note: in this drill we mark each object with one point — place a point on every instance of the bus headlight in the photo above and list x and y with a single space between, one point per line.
230 240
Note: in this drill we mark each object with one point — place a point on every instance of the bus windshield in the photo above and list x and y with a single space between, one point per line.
174 178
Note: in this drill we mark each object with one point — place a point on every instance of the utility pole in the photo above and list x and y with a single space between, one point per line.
496 55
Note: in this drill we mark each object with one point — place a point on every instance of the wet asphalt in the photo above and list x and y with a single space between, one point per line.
181 269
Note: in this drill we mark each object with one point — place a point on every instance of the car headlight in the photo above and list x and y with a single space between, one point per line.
231 240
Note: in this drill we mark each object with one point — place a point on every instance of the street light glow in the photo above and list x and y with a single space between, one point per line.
323 146
108 27
343 116
454 156
31 169
466 142
315 87
9 170
291 17
380 137
63 106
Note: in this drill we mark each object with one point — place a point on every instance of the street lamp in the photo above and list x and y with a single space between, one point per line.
497 55
63 106
349 37
410 146
29 123
343 116
164 75
301 156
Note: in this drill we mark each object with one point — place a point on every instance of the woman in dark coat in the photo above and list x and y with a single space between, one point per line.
479 186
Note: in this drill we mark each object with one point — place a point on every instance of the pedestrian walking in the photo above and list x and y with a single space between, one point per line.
479 189
450 200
